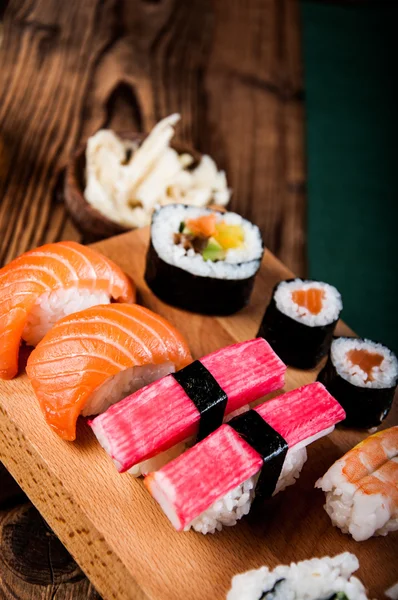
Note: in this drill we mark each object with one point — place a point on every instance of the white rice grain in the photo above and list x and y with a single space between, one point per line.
239 263
314 579
331 304
384 376
229 509
50 307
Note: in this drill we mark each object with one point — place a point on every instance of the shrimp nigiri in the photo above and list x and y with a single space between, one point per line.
362 487
44 285
97 356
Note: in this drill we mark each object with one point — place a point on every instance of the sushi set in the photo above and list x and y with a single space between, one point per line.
160 390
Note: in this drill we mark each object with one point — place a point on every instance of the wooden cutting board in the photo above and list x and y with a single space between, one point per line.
114 529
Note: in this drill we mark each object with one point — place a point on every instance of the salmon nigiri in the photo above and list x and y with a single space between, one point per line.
97 356
43 285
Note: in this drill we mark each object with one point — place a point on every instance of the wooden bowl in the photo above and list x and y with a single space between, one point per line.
93 224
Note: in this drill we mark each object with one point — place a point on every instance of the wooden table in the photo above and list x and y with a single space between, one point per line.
233 71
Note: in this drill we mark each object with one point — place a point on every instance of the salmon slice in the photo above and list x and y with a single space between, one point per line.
365 360
48 269
83 351
311 299
204 226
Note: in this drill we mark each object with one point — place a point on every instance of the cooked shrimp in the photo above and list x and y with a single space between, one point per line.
362 487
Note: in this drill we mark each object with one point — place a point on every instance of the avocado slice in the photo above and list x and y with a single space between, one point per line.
213 251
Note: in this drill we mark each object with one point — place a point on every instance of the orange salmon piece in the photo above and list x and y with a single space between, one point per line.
365 360
204 226
84 349
311 299
51 267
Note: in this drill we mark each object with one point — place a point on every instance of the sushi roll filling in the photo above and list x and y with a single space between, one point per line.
312 303
208 237
207 243
364 363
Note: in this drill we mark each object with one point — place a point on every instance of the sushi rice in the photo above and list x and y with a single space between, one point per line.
315 579
361 487
361 515
50 307
122 384
383 376
237 503
331 302
239 263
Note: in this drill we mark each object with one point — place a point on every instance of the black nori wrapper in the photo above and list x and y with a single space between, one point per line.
297 344
204 391
205 295
364 407
268 443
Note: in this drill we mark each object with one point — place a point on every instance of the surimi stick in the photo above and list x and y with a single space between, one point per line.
213 483
190 402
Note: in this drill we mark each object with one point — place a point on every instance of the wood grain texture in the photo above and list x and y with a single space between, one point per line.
25 539
113 528
231 68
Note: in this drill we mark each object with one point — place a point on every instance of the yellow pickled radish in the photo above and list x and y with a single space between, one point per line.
229 236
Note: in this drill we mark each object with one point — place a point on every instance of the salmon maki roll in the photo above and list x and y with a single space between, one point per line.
300 320
44 285
97 356
362 375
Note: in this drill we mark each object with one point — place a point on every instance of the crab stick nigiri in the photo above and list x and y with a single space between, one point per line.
362 487
97 356
43 285
258 453
192 402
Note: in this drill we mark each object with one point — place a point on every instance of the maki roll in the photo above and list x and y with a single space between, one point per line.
327 578
362 487
300 320
149 428
254 456
362 375
202 260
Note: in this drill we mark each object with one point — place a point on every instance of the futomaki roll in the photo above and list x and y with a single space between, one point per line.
300 320
362 375
324 578
202 260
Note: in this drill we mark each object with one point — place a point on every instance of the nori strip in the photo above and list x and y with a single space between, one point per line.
365 407
297 344
265 595
338 596
205 295
268 443
204 391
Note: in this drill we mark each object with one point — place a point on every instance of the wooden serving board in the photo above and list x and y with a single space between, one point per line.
117 532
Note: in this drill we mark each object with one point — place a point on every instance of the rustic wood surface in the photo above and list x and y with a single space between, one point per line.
119 535
233 70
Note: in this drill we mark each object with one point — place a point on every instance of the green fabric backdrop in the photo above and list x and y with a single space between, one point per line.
350 62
